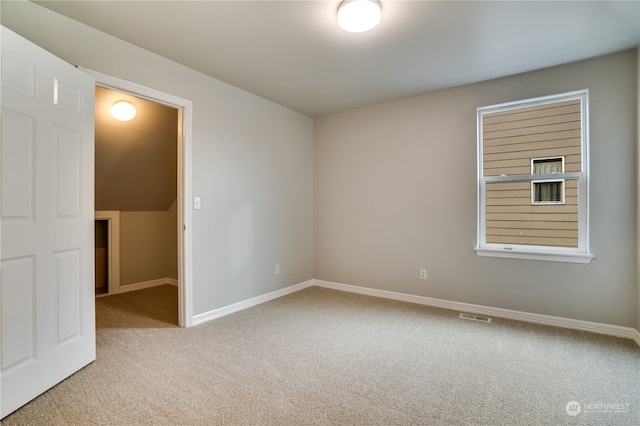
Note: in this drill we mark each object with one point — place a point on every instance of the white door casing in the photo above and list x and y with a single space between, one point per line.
47 302
185 113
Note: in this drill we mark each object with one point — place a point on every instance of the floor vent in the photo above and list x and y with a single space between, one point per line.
472 317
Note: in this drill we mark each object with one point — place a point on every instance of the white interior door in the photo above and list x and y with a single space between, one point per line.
47 296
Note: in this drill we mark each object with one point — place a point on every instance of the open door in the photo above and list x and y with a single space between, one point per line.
47 296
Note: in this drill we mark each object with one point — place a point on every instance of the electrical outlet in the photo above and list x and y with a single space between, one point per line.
277 270
423 274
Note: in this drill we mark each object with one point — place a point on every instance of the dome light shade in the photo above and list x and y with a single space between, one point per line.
357 16
123 111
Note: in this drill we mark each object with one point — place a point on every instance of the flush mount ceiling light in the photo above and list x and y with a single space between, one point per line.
123 111
357 16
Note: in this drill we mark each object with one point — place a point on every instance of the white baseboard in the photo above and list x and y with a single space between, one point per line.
593 327
612 330
147 284
226 310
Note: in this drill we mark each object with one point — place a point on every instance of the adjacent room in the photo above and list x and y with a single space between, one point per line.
136 195
432 218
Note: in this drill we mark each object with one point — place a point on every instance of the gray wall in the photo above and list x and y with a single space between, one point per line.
252 162
395 191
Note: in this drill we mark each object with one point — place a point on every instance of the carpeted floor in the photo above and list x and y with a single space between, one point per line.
324 357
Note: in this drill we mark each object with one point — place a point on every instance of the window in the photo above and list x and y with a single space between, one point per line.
546 191
533 179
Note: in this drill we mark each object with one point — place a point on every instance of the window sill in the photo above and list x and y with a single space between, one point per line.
535 255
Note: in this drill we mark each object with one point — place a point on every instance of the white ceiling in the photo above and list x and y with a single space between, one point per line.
293 53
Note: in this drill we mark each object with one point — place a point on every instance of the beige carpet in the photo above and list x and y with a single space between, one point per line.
323 357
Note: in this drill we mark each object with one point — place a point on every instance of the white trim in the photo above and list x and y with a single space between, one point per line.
113 253
638 200
527 178
147 284
611 330
230 309
510 252
593 327
185 114
543 100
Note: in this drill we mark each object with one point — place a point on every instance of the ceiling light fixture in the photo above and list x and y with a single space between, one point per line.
123 111
357 16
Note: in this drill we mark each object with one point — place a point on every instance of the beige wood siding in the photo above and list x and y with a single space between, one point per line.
511 139
512 219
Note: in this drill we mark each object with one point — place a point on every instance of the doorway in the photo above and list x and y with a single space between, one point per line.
182 230
136 181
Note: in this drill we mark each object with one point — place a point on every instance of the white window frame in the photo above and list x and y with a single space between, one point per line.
533 183
580 254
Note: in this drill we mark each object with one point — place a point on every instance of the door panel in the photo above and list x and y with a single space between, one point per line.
18 173
18 343
47 296
67 150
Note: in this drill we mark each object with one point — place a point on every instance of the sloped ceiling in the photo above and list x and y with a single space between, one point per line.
294 53
136 161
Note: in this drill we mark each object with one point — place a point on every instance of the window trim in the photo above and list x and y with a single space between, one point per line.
580 254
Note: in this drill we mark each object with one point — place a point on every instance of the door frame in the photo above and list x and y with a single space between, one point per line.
185 111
